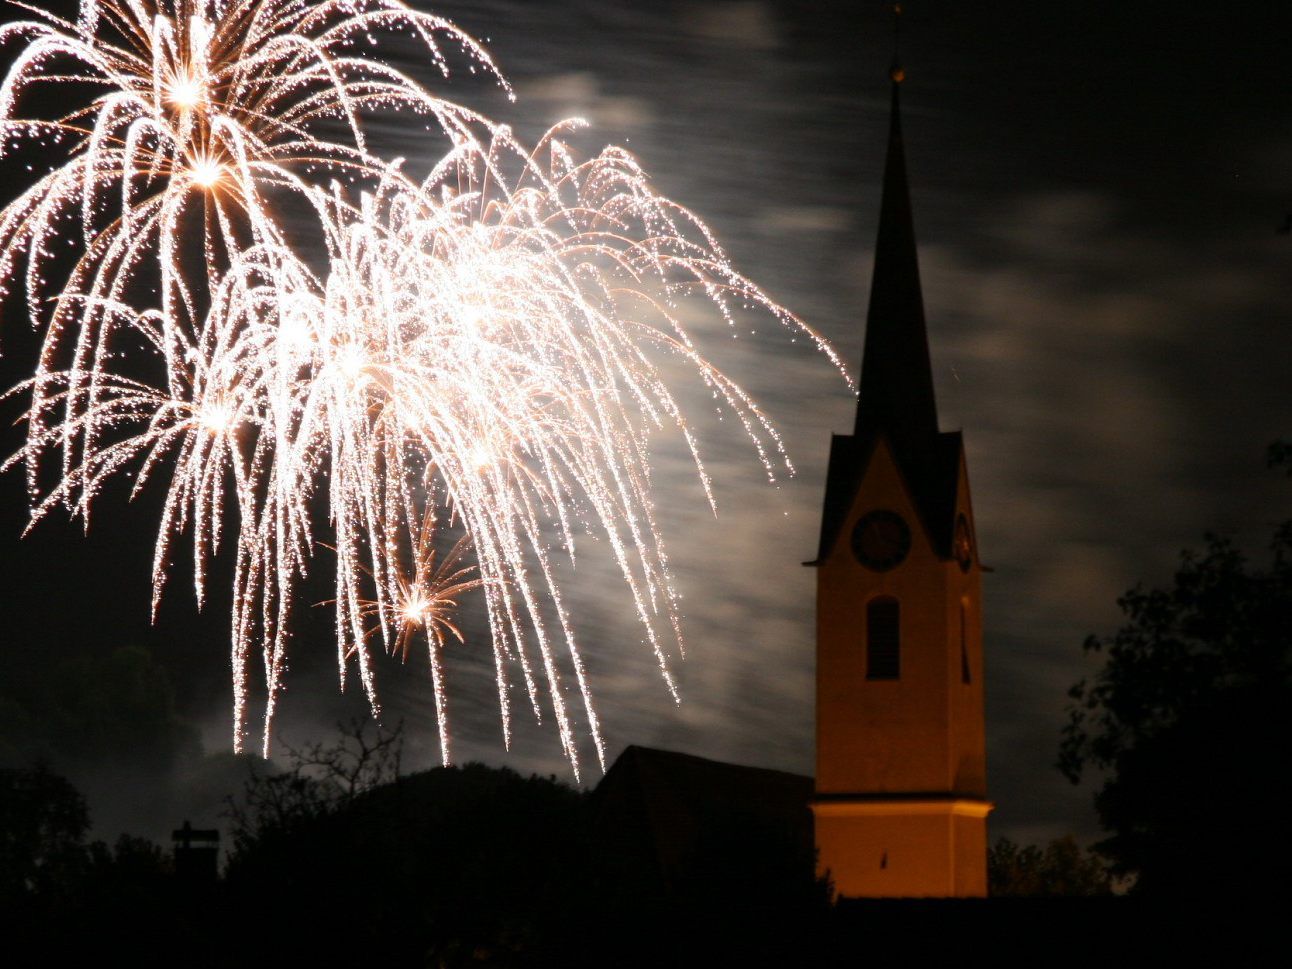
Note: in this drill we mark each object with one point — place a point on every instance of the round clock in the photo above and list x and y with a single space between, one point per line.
880 540
962 544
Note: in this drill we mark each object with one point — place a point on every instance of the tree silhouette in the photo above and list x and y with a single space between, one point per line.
1060 868
1190 718
453 866
43 821
321 779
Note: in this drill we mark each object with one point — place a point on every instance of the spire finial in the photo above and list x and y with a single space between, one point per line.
896 72
896 389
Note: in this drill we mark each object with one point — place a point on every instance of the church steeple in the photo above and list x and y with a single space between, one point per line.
896 376
896 400
900 806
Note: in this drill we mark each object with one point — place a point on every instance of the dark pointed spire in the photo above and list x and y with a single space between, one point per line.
896 399
896 377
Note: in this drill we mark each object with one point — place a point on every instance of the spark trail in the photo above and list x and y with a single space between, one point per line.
481 352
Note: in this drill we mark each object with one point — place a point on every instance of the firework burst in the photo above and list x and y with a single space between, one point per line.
480 353
188 115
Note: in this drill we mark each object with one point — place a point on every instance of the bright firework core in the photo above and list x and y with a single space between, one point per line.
217 418
415 610
483 348
206 172
184 93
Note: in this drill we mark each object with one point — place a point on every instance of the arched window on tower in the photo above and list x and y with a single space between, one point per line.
883 639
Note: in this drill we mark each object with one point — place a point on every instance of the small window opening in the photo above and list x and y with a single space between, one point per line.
964 645
883 640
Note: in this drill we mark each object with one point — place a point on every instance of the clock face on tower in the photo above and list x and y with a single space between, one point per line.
881 539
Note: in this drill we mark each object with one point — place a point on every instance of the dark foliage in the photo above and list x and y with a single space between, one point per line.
322 780
1060 869
455 865
1190 723
479 866
60 898
43 822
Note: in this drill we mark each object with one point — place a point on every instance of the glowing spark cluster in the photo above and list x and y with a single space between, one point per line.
478 351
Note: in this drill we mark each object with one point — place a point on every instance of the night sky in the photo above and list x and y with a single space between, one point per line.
1097 190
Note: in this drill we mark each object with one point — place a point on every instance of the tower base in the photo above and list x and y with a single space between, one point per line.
903 846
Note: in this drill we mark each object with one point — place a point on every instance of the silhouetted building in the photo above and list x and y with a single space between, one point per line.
669 817
901 797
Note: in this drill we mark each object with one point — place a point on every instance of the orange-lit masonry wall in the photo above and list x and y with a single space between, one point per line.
904 848
900 806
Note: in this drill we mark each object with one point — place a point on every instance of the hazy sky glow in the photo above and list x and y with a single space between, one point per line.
1096 196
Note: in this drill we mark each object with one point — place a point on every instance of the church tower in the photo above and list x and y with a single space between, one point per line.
901 792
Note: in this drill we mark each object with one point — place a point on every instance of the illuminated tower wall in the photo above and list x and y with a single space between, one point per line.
900 805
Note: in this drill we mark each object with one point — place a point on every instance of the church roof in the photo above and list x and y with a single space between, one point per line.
896 399
664 807
931 475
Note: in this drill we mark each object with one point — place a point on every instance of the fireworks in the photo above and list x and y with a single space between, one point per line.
194 110
476 352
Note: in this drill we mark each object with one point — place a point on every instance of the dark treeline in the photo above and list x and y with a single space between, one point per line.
335 863
339 861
